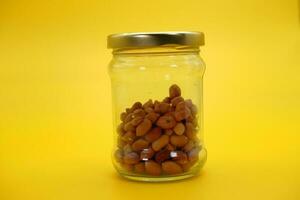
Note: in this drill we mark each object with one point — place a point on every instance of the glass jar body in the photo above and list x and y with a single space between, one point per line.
157 115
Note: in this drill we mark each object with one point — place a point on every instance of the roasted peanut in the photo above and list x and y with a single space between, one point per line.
171 167
176 100
120 129
160 142
179 129
149 110
152 116
147 154
152 168
129 127
167 100
162 155
189 131
136 121
119 155
131 158
138 113
179 157
127 148
194 154
181 106
153 134
127 167
135 106
139 144
143 127
147 104
123 116
188 146
170 147
161 107
188 103
166 121
139 168
168 131
128 118
178 140
182 114
174 91
128 137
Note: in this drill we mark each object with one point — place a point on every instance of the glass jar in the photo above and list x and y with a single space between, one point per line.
156 81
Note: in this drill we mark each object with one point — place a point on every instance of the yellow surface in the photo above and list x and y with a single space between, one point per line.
55 117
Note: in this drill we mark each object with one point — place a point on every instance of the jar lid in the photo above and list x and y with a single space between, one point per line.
154 39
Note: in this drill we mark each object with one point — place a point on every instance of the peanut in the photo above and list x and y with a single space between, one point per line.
160 142
179 129
147 104
138 113
167 100
161 107
119 155
178 140
120 129
171 167
131 158
182 114
162 155
176 100
137 120
179 157
188 146
166 121
123 116
194 154
139 145
139 168
152 168
153 134
174 91
128 137
152 116
129 127
143 127
147 154
135 106
189 131
168 131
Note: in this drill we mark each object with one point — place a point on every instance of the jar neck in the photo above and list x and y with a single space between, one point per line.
162 50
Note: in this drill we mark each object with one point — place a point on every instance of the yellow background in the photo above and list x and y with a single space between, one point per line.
55 105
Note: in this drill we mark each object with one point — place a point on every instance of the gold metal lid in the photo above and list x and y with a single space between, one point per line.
155 39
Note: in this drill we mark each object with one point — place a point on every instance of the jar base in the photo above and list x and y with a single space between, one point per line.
194 171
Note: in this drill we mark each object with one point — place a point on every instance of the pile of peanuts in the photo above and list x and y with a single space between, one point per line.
159 138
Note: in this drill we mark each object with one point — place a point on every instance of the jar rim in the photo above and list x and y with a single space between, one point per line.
155 39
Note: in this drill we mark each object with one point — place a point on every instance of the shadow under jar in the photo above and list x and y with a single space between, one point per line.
156 81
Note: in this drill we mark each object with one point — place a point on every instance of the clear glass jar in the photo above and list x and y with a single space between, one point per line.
156 81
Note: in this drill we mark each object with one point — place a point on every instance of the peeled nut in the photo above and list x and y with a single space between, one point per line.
190 132
143 127
162 155
131 158
179 140
129 127
179 129
188 146
128 137
176 100
128 118
139 168
152 168
153 134
135 106
120 129
160 142
136 121
139 145
174 91
194 154
152 116
179 157
166 121
167 100
161 107
123 116
147 154
119 155
182 114
171 167
138 113
149 103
